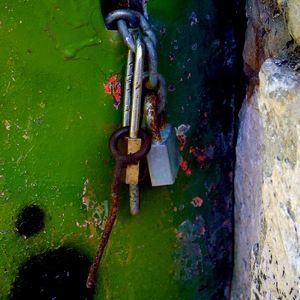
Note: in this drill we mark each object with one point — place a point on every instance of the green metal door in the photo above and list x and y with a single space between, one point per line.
60 68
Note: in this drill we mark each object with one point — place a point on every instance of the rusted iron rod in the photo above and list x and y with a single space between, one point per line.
121 162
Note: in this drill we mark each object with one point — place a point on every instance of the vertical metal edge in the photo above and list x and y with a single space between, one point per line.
134 193
137 87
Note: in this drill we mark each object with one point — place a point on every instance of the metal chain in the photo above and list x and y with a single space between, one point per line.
142 37
136 31
128 21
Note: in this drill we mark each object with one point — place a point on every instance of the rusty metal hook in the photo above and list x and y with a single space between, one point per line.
121 162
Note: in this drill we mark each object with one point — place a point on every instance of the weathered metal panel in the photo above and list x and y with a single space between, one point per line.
61 73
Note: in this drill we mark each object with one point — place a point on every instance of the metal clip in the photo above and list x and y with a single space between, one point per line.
131 116
134 191
130 174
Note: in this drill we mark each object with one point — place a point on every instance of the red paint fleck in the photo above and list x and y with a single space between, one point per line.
202 231
117 94
197 201
203 155
198 153
188 172
113 78
107 88
113 87
171 56
185 166
182 139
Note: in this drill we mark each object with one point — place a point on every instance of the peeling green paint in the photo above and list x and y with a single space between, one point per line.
55 122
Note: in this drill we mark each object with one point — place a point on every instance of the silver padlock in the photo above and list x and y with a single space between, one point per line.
164 156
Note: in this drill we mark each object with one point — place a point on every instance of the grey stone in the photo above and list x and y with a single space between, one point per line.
267 193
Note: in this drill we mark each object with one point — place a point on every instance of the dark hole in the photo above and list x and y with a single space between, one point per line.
109 6
30 221
54 275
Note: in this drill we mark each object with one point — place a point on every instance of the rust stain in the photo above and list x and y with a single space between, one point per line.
253 85
154 131
162 120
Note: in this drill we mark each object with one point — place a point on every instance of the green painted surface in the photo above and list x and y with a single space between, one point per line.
55 122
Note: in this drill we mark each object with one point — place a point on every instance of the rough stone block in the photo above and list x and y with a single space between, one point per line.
267 189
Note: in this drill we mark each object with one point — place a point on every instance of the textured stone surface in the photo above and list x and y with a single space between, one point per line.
267 197
276 267
293 17
247 195
273 31
267 258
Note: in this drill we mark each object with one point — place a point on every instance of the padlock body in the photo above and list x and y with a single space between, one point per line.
164 158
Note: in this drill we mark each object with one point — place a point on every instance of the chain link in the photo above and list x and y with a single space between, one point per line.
128 23
152 63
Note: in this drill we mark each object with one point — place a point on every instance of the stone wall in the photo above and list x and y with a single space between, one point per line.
267 193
